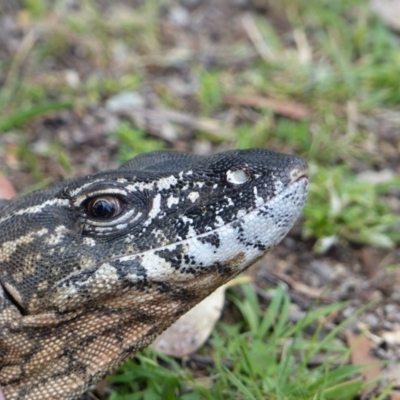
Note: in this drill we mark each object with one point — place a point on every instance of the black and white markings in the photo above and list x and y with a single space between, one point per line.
182 216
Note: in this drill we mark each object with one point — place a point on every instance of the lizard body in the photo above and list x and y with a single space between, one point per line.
93 269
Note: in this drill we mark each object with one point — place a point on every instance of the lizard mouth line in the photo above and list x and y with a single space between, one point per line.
300 178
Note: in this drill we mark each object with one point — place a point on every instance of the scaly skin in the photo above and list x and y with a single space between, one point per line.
93 269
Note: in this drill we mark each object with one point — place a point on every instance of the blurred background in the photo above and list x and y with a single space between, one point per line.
86 85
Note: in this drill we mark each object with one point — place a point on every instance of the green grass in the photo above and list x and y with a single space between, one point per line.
20 117
210 91
264 357
133 141
340 207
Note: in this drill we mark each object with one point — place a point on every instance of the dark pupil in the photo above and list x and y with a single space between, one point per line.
103 209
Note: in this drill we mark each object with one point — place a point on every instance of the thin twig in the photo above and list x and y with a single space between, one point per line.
257 39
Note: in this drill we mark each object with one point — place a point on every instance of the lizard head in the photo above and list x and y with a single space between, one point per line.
125 252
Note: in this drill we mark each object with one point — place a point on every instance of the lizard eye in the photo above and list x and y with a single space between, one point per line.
237 177
105 207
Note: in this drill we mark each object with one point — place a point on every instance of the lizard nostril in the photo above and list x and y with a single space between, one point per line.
298 173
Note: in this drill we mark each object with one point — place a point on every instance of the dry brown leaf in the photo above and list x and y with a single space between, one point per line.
7 191
361 355
395 395
370 261
187 334
288 109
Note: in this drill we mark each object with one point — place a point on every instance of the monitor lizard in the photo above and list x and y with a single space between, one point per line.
94 268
